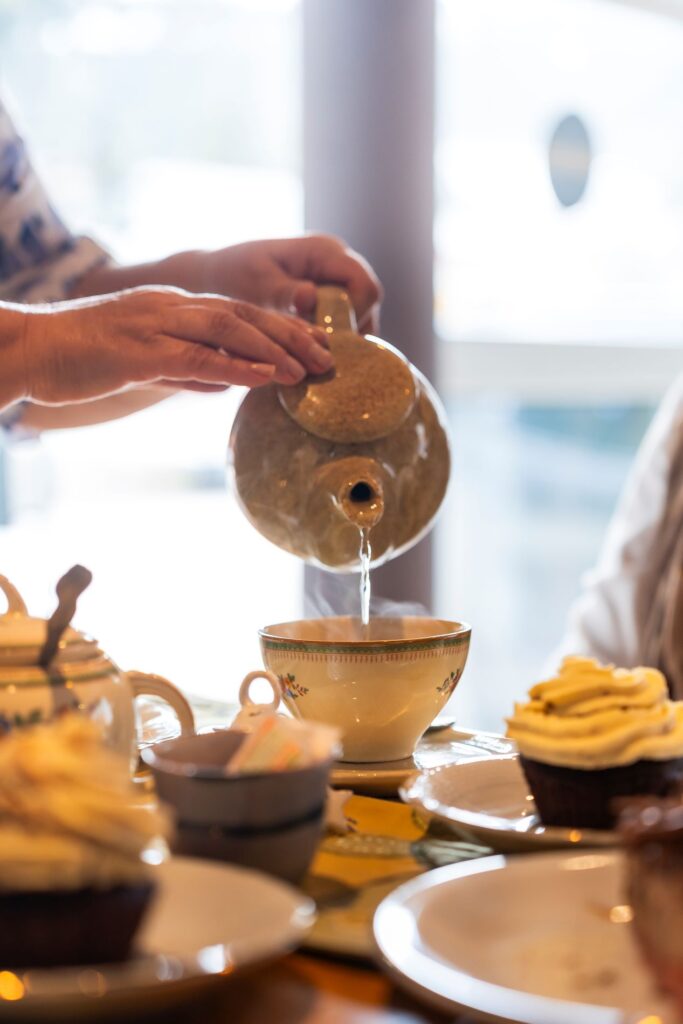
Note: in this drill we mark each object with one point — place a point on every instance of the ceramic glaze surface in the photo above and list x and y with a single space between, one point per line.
309 461
381 692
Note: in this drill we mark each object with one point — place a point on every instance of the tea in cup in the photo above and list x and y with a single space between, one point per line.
381 685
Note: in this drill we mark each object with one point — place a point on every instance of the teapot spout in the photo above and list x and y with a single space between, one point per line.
361 499
347 496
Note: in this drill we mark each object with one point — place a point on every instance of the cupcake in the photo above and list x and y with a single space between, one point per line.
77 847
593 733
652 831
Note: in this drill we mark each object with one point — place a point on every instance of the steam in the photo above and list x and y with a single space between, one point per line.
330 594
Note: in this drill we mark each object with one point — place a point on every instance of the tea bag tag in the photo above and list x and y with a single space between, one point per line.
251 713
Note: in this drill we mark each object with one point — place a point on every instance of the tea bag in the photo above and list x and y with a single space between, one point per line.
276 743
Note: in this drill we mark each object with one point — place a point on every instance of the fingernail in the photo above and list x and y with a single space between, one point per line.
294 369
262 369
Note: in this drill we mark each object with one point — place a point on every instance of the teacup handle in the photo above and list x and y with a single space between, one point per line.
15 602
245 699
148 684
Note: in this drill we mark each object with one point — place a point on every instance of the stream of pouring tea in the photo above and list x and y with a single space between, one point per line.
365 557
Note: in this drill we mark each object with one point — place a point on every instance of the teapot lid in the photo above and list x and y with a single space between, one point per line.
22 635
367 395
25 631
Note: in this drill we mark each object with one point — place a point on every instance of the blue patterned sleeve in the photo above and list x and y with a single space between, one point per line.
40 260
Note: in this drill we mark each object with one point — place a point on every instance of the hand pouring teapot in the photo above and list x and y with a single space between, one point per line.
363 447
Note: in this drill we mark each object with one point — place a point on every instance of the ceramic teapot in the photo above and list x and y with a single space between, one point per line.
81 677
362 447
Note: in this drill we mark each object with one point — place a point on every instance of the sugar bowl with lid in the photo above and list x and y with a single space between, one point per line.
81 678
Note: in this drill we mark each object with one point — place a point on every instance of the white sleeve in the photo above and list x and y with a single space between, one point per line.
603 622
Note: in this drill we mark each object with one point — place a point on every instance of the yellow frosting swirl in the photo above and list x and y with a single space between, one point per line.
598 716
70 816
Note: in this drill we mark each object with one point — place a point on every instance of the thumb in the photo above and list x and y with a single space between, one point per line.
305 298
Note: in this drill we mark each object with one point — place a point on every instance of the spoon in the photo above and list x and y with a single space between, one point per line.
440 722
69 589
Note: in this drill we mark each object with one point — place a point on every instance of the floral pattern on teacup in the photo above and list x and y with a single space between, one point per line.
19 721
290 687
450 682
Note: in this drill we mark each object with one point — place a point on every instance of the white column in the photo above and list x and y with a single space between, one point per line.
368 124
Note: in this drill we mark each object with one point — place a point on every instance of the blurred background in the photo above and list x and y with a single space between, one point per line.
551 187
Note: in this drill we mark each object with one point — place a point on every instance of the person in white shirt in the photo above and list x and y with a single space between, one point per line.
631 609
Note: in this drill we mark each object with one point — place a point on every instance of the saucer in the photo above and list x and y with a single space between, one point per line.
436 749
489 800
208 920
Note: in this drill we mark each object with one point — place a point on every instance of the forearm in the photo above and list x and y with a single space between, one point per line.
183 270
13 388
12 376
85 414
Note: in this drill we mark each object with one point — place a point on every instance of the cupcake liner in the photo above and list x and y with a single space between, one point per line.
62 928
578 798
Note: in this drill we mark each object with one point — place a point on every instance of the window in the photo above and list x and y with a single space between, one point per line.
559 256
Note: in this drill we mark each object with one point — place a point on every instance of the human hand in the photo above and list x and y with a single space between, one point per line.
283 274
85 349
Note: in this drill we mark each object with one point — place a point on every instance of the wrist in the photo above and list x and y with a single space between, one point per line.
189 270
192 270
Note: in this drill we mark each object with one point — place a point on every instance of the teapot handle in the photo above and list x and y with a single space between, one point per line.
152 685
334 311
15 602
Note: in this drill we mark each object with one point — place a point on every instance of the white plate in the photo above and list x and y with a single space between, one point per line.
158 721
527 940
436 748
490 800
209 919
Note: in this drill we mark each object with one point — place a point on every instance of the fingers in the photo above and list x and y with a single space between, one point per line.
305 301
252 335
198 367
352 271
323 259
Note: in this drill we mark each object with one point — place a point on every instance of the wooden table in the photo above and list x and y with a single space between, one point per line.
306 989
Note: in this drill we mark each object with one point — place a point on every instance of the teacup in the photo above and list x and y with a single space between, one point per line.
81 678
381 684
269 820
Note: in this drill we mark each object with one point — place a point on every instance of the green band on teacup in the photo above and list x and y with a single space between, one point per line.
365 646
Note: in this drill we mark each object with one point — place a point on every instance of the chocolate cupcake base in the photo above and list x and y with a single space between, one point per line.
578 798
62 928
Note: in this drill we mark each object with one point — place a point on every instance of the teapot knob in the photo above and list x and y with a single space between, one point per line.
334 311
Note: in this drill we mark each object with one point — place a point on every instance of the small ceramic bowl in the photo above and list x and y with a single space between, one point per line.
269 820
381 685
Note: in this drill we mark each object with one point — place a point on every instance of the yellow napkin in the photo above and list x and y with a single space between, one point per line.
352 873
390 828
